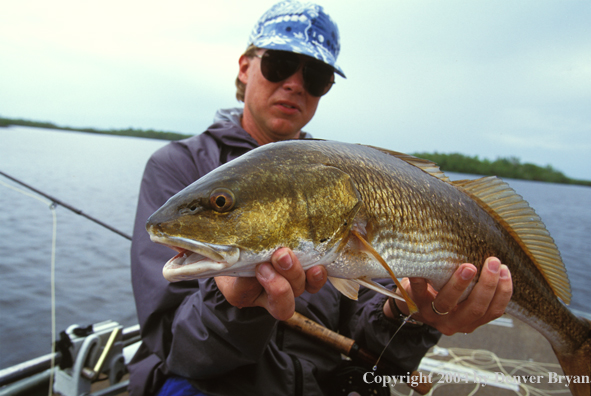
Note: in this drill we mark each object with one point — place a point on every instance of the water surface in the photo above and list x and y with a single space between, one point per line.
100 174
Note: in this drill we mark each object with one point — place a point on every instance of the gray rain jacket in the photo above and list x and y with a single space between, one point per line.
189 329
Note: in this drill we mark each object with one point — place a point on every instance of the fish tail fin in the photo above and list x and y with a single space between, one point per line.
577 366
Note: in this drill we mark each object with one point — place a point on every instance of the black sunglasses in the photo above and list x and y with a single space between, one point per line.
276 66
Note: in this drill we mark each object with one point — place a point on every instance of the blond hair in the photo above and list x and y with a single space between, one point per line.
240 86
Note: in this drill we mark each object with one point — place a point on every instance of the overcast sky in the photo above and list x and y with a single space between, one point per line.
508 78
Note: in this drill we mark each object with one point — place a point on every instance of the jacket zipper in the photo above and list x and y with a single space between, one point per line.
299 377
297 365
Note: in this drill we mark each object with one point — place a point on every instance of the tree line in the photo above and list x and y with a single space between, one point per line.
503 167
510 167
149 133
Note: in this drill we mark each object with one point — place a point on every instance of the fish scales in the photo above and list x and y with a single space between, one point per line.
318 198
405 202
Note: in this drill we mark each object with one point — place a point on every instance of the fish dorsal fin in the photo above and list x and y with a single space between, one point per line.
521 220
427 166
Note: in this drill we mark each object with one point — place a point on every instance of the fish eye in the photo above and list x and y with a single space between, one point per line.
221 200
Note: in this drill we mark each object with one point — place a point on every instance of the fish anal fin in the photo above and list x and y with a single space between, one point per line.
521 221
378 288
349 288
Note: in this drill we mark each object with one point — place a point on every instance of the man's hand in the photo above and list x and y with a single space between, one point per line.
486 302
276 285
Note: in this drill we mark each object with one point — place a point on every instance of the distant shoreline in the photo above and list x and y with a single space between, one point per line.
455 162
150 133
511 168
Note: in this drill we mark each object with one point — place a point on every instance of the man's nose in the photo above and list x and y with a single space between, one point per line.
295 82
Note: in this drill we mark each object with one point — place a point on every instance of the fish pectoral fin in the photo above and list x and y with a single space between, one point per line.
350 288
378 288
412 307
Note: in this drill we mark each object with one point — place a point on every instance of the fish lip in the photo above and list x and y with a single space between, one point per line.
191 267
218 253
204 261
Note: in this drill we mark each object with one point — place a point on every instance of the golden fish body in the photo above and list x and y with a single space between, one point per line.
315 197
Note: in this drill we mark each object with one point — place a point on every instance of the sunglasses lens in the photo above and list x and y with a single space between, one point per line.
276 66
318 78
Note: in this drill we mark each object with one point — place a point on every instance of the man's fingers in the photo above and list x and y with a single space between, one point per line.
487 300
276 285
419 287
450 294
476 306
495 305
486 286
279 298
239 292
288 266
316 278
503 294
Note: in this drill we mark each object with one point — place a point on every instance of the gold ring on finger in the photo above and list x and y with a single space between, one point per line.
435 309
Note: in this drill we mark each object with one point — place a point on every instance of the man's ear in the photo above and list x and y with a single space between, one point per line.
244 67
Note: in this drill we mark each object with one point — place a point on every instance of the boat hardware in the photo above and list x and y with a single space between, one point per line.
92 374
101 349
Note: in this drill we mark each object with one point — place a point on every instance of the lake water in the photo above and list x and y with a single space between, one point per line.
100 175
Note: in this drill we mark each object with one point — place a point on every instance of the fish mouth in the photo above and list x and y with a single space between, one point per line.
196 259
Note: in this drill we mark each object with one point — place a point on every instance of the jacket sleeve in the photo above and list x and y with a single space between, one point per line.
186 326
371 329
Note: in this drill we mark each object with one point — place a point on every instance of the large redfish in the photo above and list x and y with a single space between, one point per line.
349 207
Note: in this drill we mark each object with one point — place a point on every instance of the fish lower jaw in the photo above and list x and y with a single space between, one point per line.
188 266
217 253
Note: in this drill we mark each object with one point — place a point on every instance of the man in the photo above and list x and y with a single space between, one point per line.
222 336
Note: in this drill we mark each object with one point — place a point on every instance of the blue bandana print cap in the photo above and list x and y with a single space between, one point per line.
301 28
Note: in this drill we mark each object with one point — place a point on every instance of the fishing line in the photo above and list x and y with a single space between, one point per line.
52 282
406 319
52 206
28 194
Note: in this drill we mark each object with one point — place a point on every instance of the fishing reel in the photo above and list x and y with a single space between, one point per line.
348 381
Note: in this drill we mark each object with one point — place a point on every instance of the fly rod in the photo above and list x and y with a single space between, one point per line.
65 205
347 347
